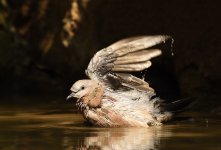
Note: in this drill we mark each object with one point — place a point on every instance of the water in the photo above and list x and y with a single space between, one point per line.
55 126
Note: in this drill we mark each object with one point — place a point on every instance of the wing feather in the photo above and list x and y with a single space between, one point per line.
136 57
131 67
134 82
127 55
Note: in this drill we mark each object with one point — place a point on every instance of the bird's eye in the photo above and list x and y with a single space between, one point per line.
82 87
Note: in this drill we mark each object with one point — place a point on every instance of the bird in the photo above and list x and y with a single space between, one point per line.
113 97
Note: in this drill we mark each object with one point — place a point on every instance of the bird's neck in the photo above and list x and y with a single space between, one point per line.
94 96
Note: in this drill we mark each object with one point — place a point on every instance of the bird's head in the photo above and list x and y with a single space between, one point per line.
81 88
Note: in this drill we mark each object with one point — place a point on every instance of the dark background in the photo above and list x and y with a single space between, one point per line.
46 45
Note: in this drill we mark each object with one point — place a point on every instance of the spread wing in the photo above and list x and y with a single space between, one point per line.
112 65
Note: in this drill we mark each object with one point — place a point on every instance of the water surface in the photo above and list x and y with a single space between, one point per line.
55 126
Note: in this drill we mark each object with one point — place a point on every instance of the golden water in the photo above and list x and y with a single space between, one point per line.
55 127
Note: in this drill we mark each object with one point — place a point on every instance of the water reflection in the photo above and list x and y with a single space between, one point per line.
116 138
48 129
52 128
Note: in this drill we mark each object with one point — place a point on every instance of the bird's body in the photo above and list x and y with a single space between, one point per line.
113 97
131 108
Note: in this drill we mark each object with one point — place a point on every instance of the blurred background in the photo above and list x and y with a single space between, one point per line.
46 45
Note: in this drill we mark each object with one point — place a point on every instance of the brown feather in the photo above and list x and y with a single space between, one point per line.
93 98
134 82
139 56
132 67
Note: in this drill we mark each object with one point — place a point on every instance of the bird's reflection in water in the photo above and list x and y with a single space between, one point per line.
116 138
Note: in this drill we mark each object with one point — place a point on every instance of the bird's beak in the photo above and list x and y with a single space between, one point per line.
70 96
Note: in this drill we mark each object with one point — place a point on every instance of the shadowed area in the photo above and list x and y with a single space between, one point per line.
46 45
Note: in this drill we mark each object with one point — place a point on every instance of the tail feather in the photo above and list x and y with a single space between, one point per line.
178 106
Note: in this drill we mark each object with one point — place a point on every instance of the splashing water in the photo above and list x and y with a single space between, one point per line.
144 72
171 47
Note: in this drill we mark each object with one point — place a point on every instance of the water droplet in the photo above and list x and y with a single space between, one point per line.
171 47
144 72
